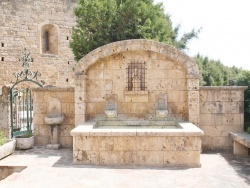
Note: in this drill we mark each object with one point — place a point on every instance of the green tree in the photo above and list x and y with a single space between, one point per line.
100 22
244 80
214 73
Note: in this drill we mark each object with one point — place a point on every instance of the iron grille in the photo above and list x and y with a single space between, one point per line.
136 76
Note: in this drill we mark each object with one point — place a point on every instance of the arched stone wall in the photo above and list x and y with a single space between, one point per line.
136 45
171 53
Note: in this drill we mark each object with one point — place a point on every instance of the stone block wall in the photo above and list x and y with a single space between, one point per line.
221 111
23 24
41 99
164 77
5 111
137 151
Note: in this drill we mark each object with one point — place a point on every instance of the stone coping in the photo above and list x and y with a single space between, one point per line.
53 88
241 137
136 92
223 87
185 129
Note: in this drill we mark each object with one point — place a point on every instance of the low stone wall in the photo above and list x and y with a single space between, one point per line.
221 112
42 98
137 147
5 111
6 171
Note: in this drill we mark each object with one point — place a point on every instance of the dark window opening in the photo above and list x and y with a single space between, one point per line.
46 37
67 38
136 76
2 58
68 62
67 80
2 44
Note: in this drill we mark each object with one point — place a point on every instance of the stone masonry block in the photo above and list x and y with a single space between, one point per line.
111 157
182 158
103 143
130 158
211 107
150 143
38 97
125 143
90 157
193 84
193 96
80 108
206 119
40 108
150 158
79 119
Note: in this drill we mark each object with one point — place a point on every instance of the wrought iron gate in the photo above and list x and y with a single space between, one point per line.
21 102
21 111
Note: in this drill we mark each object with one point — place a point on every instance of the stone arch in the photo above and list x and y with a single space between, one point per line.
192 72
139 44
53 32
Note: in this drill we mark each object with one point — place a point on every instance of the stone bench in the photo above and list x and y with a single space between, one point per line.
241 143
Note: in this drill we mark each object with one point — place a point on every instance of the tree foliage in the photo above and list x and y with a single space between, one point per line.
99 22
243 79
214 73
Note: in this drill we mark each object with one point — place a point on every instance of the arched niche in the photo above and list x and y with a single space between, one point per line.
49 38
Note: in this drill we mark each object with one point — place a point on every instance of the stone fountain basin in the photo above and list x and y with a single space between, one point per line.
111 113
54 120
161 113
142 143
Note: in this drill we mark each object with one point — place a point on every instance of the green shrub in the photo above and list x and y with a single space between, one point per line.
248 130
3 138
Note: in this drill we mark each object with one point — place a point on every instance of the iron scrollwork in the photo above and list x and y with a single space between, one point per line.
26 74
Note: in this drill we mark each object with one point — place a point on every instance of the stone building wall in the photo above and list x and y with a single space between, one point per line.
22 25
221 111
5 111
42 132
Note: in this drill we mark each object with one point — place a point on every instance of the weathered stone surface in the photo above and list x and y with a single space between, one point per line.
7 148
5 111
125 143
41 130
27 31
182 158
221 111
146 147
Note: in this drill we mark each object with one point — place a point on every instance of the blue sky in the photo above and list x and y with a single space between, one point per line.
225 24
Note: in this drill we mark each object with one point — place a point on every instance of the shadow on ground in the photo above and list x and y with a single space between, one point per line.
241 165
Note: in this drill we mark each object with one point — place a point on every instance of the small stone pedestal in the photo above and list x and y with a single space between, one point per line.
54 139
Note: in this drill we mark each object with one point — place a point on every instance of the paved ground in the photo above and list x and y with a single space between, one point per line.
50 168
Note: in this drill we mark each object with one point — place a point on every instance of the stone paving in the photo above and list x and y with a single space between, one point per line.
51 168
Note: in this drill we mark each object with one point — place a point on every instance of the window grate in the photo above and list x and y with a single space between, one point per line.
136 76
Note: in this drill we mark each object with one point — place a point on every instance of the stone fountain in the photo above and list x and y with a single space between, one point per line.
54 119
111 107
161 107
